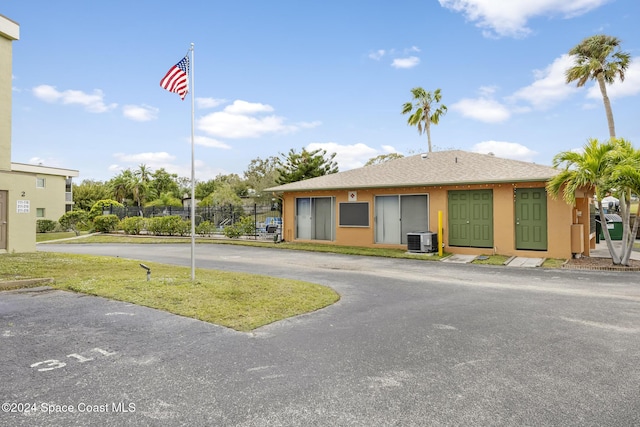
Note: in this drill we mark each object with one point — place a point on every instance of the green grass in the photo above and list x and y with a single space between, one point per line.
236 300
492 260
45 237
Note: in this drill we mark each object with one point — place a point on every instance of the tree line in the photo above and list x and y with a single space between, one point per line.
144 187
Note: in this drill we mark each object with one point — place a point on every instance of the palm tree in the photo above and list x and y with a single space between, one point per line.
626 176
599 58
422 116
612 166
120 185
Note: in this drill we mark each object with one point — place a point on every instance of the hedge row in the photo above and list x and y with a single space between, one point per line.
172 225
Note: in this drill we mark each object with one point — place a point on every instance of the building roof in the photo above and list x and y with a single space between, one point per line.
43 170
9 29
436 168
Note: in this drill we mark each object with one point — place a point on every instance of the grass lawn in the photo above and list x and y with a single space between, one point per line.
236 300
45 237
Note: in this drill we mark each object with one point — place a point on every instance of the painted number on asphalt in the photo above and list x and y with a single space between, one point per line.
51 364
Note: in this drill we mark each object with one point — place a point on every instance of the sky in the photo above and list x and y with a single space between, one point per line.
271 76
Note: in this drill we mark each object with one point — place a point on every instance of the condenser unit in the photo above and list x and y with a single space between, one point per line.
424 241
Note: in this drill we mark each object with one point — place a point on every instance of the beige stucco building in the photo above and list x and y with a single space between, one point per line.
27 192
478 204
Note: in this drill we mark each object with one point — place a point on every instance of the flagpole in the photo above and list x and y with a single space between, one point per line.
193 176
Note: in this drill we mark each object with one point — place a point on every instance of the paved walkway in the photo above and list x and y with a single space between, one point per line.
601 250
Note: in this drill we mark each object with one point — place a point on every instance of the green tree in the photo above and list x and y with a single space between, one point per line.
140 185
599 58
204 188
88 192
261 174
383 158
295 167
423 112
165 199
165 182
120 186
224 195
75 220
602 167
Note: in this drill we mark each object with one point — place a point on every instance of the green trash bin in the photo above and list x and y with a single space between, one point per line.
614 225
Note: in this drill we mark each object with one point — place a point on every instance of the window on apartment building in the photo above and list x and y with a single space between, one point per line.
39 212
40 182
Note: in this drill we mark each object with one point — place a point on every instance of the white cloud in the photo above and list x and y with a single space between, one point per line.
153 160
404 58
244 107
484 109
350 156
409 62
92 102
509 17
377 55
210 142
508 150
140 113
242 119
388 149
629 87
550 85
209 102
164 160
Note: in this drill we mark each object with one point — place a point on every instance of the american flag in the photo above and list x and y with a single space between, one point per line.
176 78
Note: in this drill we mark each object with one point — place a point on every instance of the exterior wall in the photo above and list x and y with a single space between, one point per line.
22 186
21 230
8 33
560 217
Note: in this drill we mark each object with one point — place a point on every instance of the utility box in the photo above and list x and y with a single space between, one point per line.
577 238
423 241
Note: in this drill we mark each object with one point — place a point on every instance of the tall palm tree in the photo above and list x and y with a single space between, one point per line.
120 185
423 116
601 167
626 176
599 58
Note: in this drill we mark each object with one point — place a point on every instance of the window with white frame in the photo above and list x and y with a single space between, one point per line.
39 212
40 182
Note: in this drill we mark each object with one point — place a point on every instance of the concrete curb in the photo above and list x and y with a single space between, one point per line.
24 283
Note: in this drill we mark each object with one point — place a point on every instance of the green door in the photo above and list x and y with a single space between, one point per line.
471 218
531 219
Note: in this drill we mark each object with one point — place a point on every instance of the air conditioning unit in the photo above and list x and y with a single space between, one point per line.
424 241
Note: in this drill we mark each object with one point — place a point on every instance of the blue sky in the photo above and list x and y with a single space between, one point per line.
282 74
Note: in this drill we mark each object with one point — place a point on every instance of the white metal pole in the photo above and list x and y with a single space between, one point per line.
193 176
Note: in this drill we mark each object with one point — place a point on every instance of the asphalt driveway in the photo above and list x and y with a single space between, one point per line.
410 343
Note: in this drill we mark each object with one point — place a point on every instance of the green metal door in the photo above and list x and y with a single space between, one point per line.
470 218
459 218
531 219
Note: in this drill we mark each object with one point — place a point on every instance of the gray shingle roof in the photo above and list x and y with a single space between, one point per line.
438 168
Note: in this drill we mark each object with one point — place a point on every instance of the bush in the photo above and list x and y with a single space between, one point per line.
45 225
74 221
106 223
244 227
205 228
169 225
132 225
100 206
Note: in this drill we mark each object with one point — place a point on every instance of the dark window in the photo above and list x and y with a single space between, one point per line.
354 214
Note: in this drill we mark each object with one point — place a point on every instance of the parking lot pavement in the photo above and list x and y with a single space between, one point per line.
409 343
